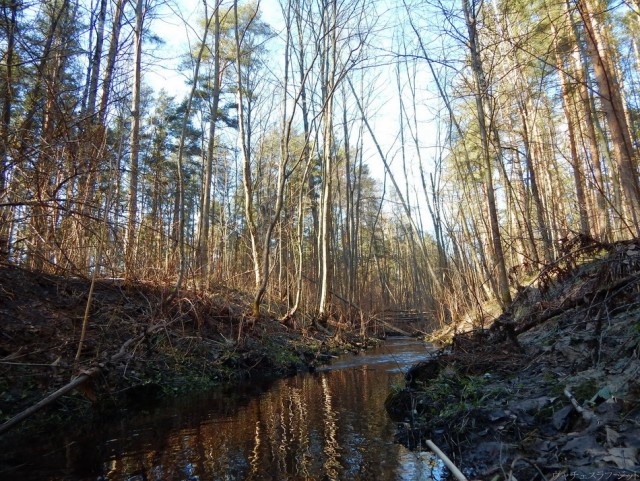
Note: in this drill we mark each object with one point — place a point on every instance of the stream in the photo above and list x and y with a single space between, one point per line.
327 425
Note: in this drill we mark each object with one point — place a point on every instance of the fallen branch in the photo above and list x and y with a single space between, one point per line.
77 381
81 379
452 467
591 418
596 296
586 414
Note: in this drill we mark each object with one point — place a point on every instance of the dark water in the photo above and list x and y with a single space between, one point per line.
330 425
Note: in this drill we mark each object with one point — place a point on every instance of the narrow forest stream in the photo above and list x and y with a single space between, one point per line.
329 425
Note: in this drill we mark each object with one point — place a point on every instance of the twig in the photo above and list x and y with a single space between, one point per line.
587 414
530 463
452 467
575 403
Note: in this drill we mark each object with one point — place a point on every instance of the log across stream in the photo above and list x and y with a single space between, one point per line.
328 425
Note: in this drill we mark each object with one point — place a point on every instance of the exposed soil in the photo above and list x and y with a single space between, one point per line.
552 389
138 346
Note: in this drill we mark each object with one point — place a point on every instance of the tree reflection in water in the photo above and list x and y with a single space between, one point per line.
331 446
329 425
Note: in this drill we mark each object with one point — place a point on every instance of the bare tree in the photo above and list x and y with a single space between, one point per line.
480 93
613 107
132 210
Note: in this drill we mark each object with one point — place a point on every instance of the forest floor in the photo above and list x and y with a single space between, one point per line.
139 346
551 390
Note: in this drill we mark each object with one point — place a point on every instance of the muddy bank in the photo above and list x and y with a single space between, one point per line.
551 390
138 346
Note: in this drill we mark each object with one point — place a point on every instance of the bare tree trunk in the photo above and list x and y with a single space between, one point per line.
327 156
96 59
130 243
111 60
504 295
458 128
349 215
179 210
603 225
286 125
203 231
567 103
535 190
246 159
6 95
304 107
613 108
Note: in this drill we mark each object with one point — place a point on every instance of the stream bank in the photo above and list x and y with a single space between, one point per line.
138 346
326 425
550 390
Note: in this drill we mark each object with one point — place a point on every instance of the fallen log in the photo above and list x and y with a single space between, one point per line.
391 327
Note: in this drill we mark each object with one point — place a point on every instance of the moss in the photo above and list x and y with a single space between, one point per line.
556 388
449 400
585 390
286 359
545 414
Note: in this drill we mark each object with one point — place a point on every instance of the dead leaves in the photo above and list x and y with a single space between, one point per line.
624 458
578 330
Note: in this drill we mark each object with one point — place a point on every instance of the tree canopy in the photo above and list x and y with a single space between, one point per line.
334 158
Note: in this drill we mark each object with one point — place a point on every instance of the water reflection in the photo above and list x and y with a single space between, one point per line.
327 426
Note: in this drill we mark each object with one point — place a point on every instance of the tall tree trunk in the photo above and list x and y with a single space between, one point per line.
533 181
91 143
349 207
247 179
9 14
42 103
205 217
96 59
470 14
613 108
327 154
111 60
567 104
132 208
306 127
286 126
603 225
179 207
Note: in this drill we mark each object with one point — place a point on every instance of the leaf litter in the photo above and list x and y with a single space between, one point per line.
551 390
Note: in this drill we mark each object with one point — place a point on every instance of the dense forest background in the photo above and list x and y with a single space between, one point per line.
349 157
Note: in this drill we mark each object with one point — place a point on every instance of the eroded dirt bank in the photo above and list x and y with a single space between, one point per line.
138 347
551 390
